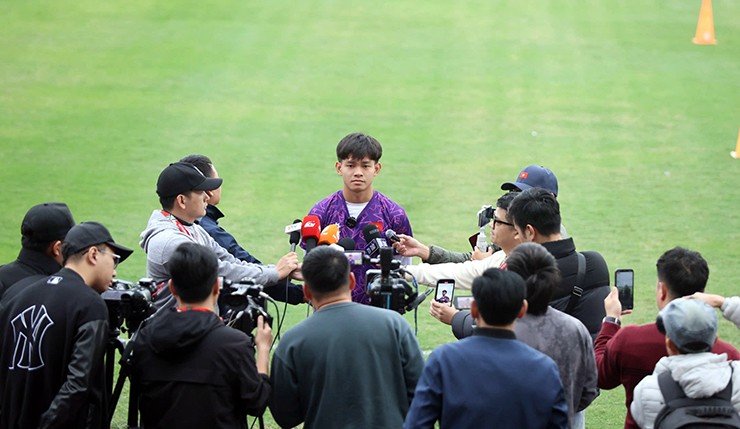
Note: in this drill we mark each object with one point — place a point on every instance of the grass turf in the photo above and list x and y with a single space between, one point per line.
636 121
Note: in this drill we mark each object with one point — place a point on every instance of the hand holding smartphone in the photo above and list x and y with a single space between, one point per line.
445 291
624 280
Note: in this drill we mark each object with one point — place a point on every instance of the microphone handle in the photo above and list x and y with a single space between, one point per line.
293 246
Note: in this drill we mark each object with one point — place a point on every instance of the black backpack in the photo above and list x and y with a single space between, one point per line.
682 412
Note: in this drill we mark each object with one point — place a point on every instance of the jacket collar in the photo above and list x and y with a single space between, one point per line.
213 212
495 333
560 248
38 261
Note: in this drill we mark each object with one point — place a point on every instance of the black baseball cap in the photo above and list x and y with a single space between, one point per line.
47 222
87 234
181 177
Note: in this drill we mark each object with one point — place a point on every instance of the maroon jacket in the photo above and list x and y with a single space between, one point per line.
625 356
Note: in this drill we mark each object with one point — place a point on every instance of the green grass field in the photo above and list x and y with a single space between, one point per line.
637 122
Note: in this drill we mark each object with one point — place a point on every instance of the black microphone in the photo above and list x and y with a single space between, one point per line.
419 299
347 243
391 235
295 236
374 240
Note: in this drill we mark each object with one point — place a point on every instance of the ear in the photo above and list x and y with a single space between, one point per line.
474 311
523 310
377 168
216 287
171 286
531 233
307 293
92 255
662 292
56 248
338 167
352 280
180 201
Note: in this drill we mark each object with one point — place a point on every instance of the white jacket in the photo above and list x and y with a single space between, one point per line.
731 310
700 375
463 273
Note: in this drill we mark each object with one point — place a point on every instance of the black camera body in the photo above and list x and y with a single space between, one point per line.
387 287
129 302
241 303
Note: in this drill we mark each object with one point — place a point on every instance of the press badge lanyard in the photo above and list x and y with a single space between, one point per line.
177 223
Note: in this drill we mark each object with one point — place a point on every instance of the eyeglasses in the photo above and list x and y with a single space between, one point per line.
500 222
116 258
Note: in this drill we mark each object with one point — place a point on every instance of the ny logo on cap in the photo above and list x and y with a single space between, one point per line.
29 328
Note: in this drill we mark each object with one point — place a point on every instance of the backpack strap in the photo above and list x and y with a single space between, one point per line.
577 289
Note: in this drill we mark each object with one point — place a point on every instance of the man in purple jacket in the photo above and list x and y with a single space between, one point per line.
358 204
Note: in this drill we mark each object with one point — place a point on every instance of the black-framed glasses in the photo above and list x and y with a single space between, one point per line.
500 222
116 258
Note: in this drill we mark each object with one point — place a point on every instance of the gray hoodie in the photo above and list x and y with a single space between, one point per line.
162 236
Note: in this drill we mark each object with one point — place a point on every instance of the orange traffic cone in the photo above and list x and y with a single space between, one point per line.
705 27
736 153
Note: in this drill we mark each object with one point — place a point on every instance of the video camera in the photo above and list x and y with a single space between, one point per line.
387 287
130 303
241 303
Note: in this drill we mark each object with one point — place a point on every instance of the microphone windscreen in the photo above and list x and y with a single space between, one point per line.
391 235
311 228
330 234
295 236
370 232
347 243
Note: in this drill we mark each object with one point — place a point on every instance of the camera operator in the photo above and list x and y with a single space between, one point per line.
60 323
192 370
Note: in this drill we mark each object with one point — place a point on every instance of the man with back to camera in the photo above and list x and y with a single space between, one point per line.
690 329
347 365
358 204
183 194
624 356
486 380
61 324
535 214
532 176
283 290
43 228
194 371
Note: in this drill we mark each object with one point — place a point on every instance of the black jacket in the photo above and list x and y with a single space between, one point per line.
195 372
590 307
29 263
58 382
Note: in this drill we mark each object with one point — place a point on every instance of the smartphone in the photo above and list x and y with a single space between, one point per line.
462 302
444 291
624 280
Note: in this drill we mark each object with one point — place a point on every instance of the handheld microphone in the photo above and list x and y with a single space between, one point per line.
311 230
294 230
329 235
391 235
374 240
419 299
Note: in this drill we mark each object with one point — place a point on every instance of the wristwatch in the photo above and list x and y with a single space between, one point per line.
611 319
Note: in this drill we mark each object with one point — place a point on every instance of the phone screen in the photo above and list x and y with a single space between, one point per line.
624 280
444 292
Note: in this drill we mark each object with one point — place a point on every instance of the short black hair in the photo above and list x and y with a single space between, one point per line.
683 271
537 207
358 146
505 200
499 295
193 270
540 272
325 270
201 162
